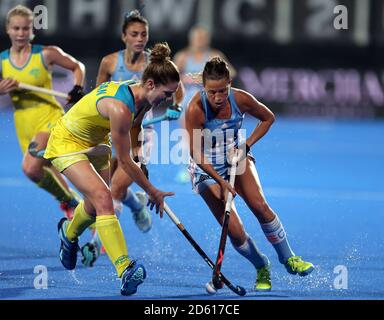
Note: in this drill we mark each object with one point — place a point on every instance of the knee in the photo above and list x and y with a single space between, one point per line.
261 206
102 199
262 211
32 171
89 207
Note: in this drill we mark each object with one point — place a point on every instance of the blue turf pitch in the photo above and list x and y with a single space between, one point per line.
324 178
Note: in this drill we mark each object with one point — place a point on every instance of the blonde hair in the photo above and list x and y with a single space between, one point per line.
19 11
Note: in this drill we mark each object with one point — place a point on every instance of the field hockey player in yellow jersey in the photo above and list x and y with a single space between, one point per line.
36 113
129 64
115 108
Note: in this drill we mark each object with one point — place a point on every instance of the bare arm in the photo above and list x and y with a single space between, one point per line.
120 122
178 96
55 56
249 104
7 85
105 68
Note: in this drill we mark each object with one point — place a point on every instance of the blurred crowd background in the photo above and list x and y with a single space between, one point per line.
288 53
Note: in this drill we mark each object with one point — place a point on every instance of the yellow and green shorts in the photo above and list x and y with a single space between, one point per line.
31 121
62 142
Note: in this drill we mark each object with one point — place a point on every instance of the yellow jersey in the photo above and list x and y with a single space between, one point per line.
34 72
83 126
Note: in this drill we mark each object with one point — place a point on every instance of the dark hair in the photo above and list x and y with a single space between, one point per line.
132 17
216 69
160 68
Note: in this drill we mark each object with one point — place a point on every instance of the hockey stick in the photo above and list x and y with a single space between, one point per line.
93 151
216 276
42 90
64 95
100 149
236 289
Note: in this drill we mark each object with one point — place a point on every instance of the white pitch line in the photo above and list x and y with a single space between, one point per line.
14 182
310 193
306 193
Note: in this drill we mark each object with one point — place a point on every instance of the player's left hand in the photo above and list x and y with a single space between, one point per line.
156 198
75 94
242 151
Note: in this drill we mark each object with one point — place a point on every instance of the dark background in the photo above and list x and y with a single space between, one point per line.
287 52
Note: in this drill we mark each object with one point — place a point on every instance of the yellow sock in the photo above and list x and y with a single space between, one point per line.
51 184
81 221
112 238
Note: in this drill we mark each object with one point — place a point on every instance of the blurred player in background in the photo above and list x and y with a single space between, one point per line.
129 64
191 61
220 107
36 113
113 108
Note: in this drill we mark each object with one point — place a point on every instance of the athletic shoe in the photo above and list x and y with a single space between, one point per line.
131 278
296 265
90 252
142 217
263 279
68 249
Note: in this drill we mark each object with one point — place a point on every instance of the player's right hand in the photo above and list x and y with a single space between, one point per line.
156 198
225 188
7 85
173 114
75 94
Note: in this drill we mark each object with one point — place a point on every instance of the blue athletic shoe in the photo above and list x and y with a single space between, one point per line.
132 277
68 249
90 252
142 217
